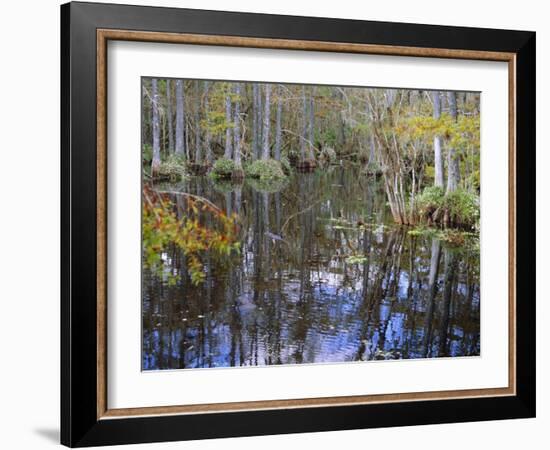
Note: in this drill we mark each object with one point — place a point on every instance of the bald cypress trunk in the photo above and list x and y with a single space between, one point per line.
156 128
311 127
255 124
169 118
303 146
341 122
277 154
438 159
198 150
451 267
228 150
180 118
432 291
265 153
237 129
146 113
453 169
208 137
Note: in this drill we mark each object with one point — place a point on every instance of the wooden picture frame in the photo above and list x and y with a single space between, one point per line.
86 418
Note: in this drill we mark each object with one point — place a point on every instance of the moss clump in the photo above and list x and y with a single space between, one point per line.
266 170
172 169
459 208
222 168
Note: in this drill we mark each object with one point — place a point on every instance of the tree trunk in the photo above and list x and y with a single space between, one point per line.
432 291
228 153
304 125
237 132
265 153
208 137
372 147
180 118
311 126
169 116
145 113
342 123
156 129
255 124
453 170
390 97
198 150
451 266
278 124
438 159
259 114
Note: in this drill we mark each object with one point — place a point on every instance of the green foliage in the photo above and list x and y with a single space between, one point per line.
460 133
430 199
285 164
429 172
222 168
147 153
172 169
460 207
463 207
474 179
328 137
215 123
265 170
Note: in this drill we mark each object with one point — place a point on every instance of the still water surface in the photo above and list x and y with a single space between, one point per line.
322 276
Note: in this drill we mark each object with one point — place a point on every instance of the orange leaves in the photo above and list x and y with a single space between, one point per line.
200 229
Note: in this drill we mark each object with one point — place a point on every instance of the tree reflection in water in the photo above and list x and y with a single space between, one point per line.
320 277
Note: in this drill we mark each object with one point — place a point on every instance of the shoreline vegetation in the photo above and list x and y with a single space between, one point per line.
424 145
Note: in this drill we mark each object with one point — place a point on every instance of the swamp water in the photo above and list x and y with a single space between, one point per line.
322 276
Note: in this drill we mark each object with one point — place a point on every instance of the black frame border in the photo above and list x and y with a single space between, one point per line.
79 424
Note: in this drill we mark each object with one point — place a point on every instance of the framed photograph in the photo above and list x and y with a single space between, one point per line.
276 224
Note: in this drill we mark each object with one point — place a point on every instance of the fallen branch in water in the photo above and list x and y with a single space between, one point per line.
298 213
194 197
